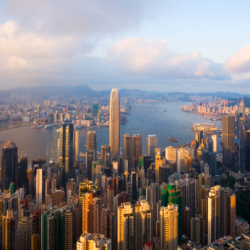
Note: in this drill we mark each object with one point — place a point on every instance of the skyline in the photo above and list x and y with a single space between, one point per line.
141 45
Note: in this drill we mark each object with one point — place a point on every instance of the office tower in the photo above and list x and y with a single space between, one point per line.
153 196
198 136
94 215
127 150
228 140
9 165
125 227
23 164
39 161
158 162
187 221
104 150
35 242
90 157
164 173
76 145
215 139
96 172
68 244
136 149
170 153
169 227
230 212
205 179
9 230
181 154
147 160
30 177
247 150
89 241
216 213
143 223
171 195
190 189
109 226
39 186
91 142
114 123
66 154
212 162
152 141
198 230
95 109
242 108
38 111
194 144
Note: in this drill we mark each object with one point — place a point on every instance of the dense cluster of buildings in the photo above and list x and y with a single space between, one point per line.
165 199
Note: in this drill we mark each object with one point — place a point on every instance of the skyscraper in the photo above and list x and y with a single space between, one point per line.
9 165
23 164
170 153
215 139
198 136
169 227
38 111
8 222
104 150
66 151
91 141
76 145
228 140
39 186
114 123
247 148
152 141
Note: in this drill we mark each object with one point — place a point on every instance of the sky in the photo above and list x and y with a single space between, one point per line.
172 45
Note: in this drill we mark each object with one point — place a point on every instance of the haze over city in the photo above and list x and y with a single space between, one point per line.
168 46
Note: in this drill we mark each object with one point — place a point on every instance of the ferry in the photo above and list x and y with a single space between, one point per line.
51 125
165 110
172 140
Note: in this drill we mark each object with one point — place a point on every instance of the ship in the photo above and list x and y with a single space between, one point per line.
51 125
38 126
165 110
172 139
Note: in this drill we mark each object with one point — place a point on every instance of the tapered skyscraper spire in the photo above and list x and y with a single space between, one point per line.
114 123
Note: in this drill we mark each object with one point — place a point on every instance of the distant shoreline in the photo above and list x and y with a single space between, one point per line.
12 127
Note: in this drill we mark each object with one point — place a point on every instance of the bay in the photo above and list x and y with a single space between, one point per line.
173 123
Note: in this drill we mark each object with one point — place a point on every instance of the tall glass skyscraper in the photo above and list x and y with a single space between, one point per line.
66 151
114 123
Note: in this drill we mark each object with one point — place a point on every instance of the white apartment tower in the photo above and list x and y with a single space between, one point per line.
170 153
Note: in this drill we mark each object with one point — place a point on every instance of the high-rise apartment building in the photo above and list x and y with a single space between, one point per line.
169 227
9 230
127 150
23 164
228 140
96 172
125 227
198 230
68 230
66 151
30 177
24 224
39 186
90 241
35 242
205 179
9 165
152 143
114 123
143 223
104 150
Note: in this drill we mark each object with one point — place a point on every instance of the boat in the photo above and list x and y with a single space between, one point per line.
165 110
38 126
51 125
78 127
172 139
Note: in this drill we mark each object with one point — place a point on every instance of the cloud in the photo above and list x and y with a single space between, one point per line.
240 61
151 57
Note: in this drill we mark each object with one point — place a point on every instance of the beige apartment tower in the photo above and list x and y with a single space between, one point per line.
114 123
169 227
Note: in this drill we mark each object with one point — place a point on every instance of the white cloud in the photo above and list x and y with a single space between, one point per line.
147 56
240 61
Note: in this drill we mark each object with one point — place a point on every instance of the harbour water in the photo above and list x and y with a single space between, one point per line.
173 123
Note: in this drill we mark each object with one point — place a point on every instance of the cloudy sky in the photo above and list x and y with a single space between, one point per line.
168 45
